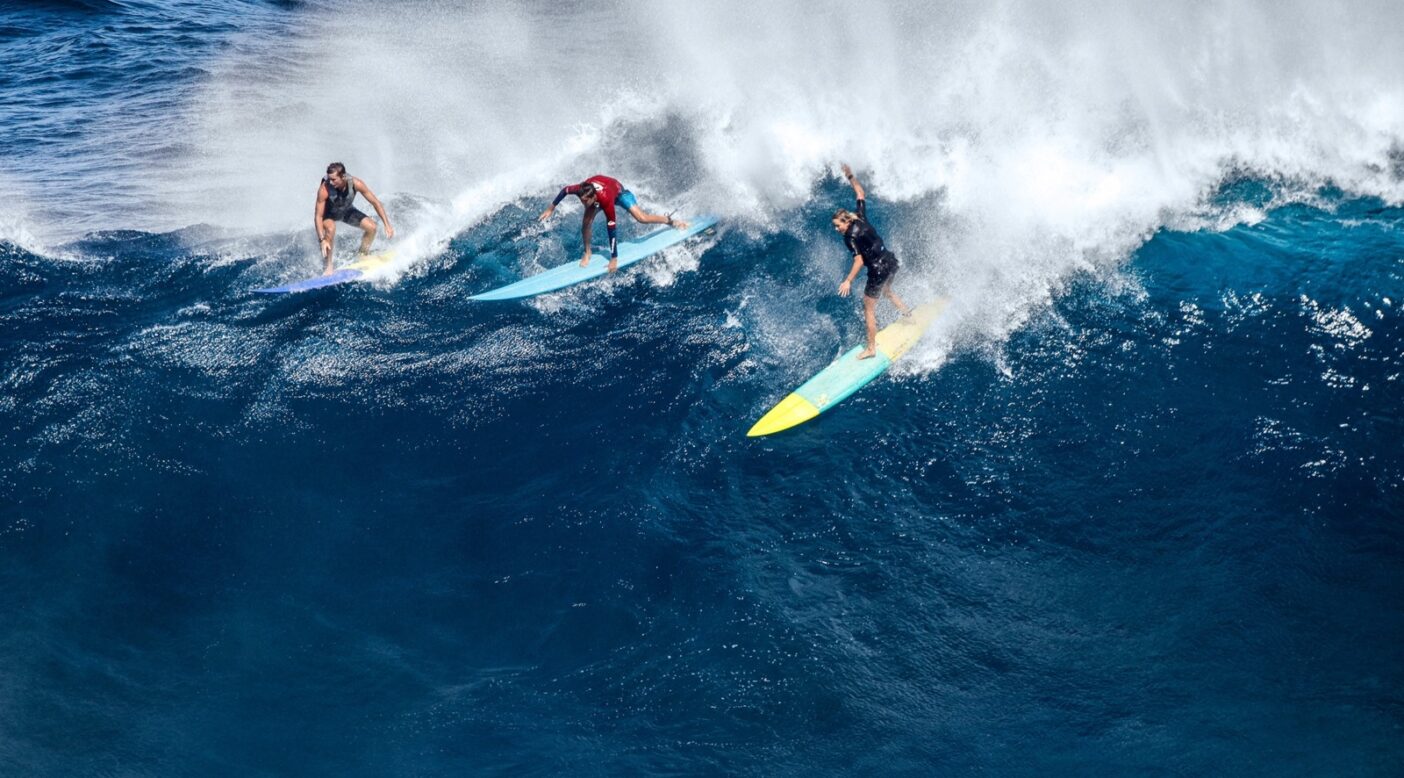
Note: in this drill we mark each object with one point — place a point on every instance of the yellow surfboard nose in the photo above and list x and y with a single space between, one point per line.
790 411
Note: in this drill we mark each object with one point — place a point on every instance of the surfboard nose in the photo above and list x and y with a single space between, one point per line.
790 411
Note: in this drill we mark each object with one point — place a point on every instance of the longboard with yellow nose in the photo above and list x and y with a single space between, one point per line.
848 373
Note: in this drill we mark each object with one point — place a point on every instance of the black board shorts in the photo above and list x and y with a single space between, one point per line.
349 216
880 271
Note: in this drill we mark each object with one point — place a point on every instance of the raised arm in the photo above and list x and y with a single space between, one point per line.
853 181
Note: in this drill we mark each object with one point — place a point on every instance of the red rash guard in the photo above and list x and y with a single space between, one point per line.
606 191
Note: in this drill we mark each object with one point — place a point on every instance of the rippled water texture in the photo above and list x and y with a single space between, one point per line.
1132 507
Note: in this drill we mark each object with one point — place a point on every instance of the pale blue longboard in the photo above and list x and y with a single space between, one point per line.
571 273
848 373
352 272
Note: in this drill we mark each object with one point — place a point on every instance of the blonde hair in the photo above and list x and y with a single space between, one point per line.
845 215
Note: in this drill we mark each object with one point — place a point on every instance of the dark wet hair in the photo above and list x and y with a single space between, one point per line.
337 168
588 188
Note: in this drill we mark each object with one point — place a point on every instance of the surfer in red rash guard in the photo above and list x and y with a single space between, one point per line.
604 193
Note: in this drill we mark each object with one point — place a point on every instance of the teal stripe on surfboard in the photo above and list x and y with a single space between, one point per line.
848 373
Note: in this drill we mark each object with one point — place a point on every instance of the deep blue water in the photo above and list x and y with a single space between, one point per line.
380 530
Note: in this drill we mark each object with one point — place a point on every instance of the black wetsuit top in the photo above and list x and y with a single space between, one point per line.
862 239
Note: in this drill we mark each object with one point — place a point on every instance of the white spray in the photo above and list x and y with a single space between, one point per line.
1019 142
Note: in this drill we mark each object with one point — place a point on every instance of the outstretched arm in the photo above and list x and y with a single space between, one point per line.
550 209
375 203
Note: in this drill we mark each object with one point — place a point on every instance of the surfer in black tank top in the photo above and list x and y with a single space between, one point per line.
868 251
335 196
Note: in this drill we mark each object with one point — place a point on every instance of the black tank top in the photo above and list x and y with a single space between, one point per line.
338 200
862 239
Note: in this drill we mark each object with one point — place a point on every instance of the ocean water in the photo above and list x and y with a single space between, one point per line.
1132 507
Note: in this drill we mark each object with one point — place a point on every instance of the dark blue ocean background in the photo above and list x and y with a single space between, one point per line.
1148 525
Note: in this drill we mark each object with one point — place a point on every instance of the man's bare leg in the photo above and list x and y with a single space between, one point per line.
329 234
643 217
368 236
587 224
870 318
897 301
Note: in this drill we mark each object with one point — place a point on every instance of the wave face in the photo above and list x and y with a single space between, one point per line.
1131 506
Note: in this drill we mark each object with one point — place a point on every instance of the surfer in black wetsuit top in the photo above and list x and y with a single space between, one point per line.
867 249
335 196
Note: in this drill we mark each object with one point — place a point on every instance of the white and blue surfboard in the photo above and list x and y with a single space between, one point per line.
571 273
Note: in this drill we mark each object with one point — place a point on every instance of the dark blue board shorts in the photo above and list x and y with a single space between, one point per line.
880 271
350 216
